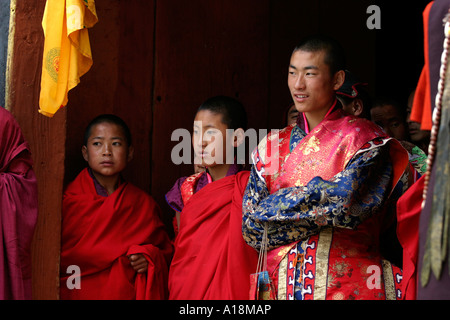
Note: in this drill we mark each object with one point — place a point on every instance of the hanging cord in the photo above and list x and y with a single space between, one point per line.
262 258
436 245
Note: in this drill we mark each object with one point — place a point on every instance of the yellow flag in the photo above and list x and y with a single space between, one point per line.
67 51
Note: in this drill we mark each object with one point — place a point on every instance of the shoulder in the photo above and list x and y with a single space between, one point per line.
81 184
359 125
276 136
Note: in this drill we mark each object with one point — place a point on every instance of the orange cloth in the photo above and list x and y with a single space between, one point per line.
421 109
67 51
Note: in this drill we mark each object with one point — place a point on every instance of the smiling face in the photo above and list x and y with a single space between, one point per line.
107 151
311 83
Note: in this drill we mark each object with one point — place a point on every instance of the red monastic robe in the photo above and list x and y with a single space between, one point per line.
98 233
212 260
18 210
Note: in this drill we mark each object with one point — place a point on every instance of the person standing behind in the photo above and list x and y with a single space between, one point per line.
354 98
324 207
111 230
18 210
290 115
211 260
389 115
418 137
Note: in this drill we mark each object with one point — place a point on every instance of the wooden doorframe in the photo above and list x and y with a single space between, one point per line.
46 138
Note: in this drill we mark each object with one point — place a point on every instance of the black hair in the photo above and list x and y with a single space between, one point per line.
334 53
232 111
365 98
385 100
108 118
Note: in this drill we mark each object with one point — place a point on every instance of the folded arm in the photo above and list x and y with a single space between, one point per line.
295 213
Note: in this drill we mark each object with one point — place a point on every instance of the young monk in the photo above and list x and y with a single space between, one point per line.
18 210
111 230
211 260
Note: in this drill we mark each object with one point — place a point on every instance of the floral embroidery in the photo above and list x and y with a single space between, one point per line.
311 146
317 214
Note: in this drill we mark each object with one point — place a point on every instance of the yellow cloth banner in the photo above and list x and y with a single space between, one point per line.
67 51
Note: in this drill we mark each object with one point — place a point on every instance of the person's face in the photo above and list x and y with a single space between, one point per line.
107 151
416 134
310 82
292 115
389 119
209 138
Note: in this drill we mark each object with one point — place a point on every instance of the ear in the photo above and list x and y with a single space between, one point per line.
357 107
130 153
338 79
238 137
84 152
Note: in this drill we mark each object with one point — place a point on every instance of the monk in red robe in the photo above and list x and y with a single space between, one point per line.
211 260
114 245
18 210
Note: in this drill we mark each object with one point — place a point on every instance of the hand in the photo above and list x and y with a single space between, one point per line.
138 262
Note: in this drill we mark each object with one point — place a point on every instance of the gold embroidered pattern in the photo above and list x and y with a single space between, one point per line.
282 278
323 249
311 146
389 286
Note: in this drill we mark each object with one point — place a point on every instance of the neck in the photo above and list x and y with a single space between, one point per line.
218 172
312 119
109 183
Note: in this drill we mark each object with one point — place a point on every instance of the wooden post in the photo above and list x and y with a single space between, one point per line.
47 142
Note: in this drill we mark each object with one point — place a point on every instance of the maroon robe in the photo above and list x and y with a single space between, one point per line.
18 210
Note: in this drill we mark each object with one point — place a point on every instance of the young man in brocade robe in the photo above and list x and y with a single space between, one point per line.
323 187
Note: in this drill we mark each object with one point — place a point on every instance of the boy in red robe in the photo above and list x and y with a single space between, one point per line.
211 260
114 245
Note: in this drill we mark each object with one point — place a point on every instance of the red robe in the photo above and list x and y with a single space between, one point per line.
212 260
409 207
18 210
98 233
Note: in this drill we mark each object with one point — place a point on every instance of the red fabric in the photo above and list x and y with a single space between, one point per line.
409 207
421 108
98 233
18 210
212 260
